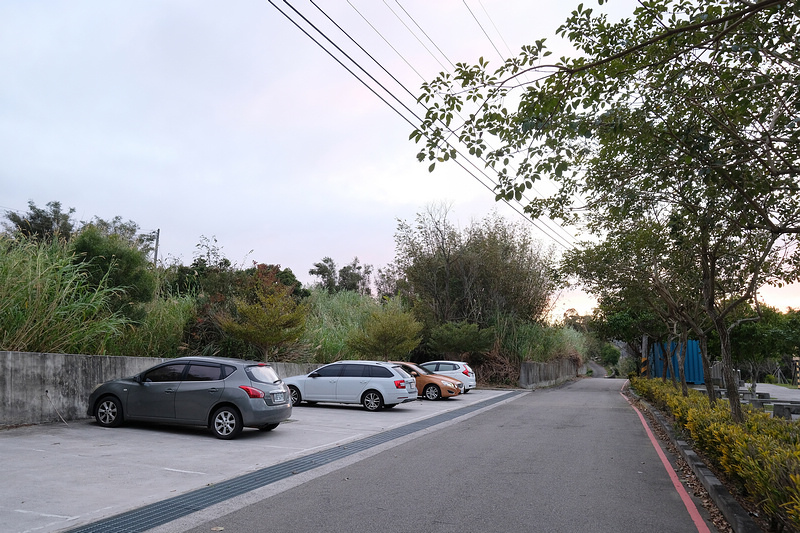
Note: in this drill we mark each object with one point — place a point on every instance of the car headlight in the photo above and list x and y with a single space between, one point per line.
449 384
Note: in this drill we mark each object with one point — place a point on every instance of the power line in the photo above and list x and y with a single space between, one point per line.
555 239
502 59
545 220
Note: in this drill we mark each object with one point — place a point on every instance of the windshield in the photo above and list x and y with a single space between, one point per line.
263 374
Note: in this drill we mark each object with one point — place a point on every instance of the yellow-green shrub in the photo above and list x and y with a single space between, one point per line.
761 456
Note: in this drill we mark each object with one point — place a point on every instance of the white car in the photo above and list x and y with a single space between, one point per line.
453 369
373 384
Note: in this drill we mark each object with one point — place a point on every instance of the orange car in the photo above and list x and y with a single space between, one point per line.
429 385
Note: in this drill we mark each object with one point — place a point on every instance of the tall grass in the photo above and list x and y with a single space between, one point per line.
330 320
527 341
47 303
160 333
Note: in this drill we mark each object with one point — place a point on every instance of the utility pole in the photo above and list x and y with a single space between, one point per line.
155 251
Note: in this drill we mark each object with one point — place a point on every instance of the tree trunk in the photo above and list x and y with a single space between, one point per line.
684 340
731 383
710 391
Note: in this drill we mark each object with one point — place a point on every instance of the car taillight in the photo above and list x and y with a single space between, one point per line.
465 372
400 383
252 392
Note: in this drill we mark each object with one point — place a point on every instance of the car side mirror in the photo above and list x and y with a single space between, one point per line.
414 373
137 378
314 375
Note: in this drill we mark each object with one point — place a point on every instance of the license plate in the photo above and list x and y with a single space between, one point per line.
278 397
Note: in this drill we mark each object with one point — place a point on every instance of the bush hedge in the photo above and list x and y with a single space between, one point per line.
761 456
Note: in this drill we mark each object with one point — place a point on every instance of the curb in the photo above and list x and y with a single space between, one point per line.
738 518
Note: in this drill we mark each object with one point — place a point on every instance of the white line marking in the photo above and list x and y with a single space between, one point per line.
185 471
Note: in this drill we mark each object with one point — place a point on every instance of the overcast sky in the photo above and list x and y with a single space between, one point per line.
224 120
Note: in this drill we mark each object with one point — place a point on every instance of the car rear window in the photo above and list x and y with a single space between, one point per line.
262 374
376 371
400 370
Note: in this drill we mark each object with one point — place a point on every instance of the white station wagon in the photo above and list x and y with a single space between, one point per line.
373 384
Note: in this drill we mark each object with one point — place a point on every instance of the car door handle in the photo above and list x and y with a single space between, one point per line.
213 390
169 391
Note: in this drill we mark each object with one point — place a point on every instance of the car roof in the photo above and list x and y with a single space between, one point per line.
444 361
208 359
354 361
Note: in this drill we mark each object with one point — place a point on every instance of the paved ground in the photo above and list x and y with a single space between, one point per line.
58 476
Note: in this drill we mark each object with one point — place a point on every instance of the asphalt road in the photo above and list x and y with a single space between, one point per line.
568 459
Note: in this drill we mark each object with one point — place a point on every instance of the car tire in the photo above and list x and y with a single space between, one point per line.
269 427
226 423
294 394
372 400
432 392
466 390
108 412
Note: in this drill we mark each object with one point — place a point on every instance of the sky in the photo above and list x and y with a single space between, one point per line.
224 121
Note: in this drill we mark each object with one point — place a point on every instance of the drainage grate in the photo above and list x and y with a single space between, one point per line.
163 512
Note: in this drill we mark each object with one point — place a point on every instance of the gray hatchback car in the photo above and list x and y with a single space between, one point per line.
222 394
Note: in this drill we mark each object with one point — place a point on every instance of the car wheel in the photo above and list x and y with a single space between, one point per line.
269 427
372 400
466 391
226 423
432 392
109 412
294 394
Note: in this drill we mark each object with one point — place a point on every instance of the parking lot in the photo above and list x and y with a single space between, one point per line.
59 476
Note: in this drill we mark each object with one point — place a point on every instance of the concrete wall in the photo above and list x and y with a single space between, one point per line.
36 388
532 375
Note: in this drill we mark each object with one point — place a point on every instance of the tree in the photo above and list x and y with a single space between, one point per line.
268 316
325 270
351 277
41 224
388 334
493 267
127 231
692 105
111 260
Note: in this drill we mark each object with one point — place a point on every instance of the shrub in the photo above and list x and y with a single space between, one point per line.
609 355
760 456
389 333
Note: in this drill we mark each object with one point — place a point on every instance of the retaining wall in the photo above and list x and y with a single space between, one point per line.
37 387
44 387
532 375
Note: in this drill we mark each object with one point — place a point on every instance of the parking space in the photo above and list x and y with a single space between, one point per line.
58 476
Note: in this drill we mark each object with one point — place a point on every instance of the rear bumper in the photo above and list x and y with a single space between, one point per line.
263 414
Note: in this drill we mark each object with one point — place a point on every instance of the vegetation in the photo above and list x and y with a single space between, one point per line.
389 333
47 303
760 456
103 296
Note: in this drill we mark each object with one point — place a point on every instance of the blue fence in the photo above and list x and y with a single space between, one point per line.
693 365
